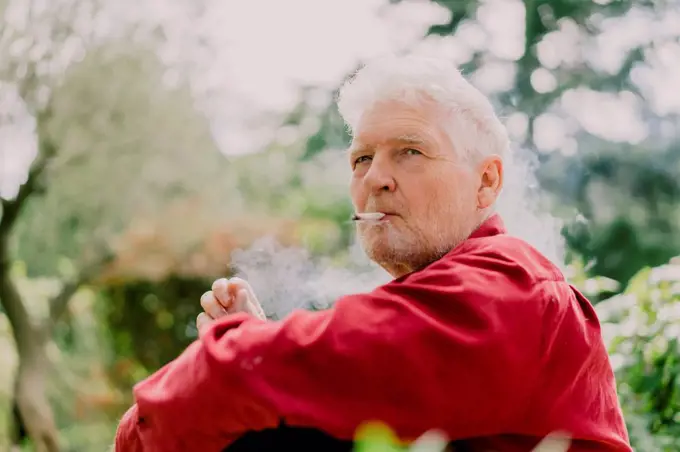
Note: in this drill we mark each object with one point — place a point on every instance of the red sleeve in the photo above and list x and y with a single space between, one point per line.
437 350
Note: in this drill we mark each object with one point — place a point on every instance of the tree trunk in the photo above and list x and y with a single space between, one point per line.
30 389
18 430
32 401
30 385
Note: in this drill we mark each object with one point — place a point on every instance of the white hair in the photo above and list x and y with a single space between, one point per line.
474 128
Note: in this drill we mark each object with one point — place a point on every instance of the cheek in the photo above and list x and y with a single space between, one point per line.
355 192
449 198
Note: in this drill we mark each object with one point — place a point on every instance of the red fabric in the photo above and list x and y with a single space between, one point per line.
488 343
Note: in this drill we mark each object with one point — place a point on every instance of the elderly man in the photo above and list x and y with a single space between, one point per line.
478 335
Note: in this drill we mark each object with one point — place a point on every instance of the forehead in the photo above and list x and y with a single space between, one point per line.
395 121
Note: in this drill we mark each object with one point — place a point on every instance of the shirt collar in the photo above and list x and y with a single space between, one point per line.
490 227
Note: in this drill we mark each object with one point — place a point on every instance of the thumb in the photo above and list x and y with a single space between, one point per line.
255 308
244 301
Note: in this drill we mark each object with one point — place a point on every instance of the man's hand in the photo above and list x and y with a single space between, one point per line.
228 296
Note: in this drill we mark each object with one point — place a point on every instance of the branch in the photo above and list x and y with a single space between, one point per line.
12 208
10 298
13 305
59 303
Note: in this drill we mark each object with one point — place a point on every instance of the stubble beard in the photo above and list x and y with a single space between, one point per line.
401 252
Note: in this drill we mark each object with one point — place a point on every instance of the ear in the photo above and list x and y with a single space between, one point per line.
491 181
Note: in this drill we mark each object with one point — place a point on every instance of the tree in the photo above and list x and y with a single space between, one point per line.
112 143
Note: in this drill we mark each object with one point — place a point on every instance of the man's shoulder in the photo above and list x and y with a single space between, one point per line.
497 272
504 254
509 268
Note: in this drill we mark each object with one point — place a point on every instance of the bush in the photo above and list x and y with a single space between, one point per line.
642 327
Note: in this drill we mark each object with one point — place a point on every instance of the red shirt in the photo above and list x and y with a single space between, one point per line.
489 344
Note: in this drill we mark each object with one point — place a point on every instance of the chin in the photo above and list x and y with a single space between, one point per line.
376 248
389 252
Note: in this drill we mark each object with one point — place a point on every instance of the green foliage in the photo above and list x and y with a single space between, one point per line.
629 201
377 437
86 406
641 327
114 164
150 323
332 134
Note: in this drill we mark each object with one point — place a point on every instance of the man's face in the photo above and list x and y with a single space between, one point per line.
404 165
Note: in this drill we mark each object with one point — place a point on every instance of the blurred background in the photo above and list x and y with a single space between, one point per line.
148 147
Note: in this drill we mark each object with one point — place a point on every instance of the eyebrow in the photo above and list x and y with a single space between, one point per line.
410 139
403 139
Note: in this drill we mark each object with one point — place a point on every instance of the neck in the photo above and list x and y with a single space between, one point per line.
398 270
484 215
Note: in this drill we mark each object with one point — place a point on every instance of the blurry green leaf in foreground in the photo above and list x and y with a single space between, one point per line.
377 437
554 443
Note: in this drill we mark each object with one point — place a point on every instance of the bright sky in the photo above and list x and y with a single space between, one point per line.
261 51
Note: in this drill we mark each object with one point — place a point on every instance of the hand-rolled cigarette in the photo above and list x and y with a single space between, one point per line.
367 216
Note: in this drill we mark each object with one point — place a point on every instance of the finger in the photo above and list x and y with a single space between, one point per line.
256 310
240 301
237 283
202 321
211 306
220 289
253 305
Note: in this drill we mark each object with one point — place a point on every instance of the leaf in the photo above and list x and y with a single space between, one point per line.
431 441
375 437
555 442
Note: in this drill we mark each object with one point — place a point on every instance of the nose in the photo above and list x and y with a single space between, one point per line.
379 177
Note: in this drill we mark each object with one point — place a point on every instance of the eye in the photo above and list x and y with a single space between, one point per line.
362 159
411 151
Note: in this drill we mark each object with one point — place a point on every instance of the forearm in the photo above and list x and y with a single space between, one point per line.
197 401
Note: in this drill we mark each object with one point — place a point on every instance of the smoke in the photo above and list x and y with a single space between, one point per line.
524 207
287 278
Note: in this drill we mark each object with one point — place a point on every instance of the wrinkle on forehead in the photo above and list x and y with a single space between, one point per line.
397 122
414 139
409 139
